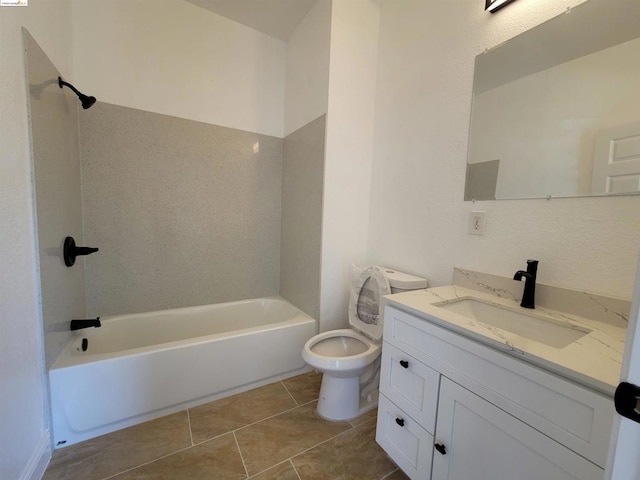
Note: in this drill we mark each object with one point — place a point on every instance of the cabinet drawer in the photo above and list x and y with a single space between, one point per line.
411 385
408 444
574 416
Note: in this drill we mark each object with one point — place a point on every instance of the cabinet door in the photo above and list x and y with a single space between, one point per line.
483 442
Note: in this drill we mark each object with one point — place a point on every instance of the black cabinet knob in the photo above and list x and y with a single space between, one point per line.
404 364
441 448
400 421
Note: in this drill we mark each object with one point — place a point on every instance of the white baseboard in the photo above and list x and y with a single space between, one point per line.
39 460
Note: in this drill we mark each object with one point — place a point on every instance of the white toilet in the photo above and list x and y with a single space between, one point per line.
350 358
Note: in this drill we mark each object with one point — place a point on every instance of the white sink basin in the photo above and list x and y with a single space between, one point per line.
548 331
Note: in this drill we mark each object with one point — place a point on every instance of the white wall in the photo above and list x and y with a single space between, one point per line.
23 399
175 58
347 175
307 68
418 218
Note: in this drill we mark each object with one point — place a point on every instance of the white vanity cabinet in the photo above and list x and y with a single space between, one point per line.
491 416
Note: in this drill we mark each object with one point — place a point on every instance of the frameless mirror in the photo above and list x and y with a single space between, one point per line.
556 110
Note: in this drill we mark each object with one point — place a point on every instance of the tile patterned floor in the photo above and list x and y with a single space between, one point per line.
268 433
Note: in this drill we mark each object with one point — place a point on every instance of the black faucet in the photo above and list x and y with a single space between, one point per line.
86 323
529 295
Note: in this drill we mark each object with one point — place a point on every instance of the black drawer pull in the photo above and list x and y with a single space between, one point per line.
404 364
400 421
441 448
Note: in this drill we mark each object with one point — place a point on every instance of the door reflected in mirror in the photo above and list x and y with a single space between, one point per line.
556 110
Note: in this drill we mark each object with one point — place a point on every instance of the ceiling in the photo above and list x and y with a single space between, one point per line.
277 18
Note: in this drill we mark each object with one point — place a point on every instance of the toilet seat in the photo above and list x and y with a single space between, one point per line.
343 363
365 318
365 302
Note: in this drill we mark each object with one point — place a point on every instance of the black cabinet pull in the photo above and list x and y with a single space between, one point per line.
404 364
441 448
400 421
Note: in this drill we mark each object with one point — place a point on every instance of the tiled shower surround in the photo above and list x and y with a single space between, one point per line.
185 213
56 164
301 237
268 433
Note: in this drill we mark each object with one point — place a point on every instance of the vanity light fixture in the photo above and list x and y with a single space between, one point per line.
494 5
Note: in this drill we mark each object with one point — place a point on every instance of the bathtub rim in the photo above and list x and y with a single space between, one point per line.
68 358
122 316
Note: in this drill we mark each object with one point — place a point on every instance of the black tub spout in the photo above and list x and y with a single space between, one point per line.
85 323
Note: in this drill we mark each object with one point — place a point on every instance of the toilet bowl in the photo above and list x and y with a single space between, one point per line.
350 358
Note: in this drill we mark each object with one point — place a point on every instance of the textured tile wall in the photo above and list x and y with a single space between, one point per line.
184 213
301 236
56 163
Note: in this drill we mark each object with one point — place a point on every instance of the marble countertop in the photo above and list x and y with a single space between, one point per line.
594 360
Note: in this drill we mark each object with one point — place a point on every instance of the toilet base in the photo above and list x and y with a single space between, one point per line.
340 400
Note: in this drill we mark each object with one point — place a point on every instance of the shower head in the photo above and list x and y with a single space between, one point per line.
87 102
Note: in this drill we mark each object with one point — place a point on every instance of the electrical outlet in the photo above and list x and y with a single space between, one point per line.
476 223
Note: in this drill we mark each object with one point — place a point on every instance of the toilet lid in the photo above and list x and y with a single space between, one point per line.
365 312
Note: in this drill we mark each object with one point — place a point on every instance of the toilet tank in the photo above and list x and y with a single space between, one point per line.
403 282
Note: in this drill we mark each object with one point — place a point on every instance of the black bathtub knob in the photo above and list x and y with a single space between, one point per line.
70 251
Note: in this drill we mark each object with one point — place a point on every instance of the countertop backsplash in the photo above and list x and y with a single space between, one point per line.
583 304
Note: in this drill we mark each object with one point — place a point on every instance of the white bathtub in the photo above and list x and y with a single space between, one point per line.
142 366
